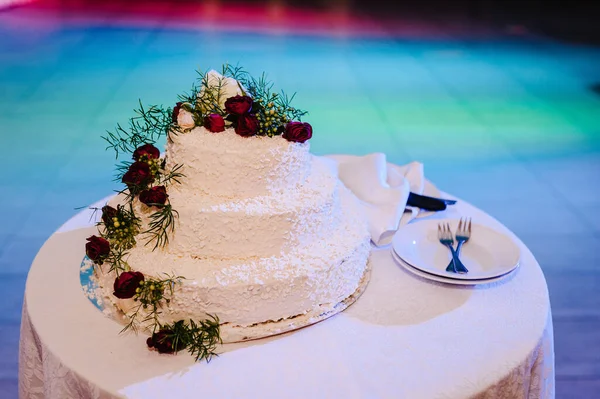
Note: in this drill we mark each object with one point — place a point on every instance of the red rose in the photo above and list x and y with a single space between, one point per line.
214 123
238 105
97 249
162 341
176 112
147 150
155 196
126 284
247 125
108 213
138 174
298 132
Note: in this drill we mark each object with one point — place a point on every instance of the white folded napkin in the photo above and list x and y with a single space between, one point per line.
382 188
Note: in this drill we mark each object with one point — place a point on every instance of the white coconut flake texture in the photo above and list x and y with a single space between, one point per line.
271 235
228 165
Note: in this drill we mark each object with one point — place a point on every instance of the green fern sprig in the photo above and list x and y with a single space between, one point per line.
148 126
162 222
116 260
199 338
171 177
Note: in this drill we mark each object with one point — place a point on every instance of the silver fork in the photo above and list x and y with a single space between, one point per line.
463 233
445 237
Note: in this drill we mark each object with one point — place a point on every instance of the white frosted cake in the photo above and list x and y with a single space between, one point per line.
266 237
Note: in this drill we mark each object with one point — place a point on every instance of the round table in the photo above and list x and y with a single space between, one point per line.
405 337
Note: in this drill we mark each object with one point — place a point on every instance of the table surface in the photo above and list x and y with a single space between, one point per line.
405 336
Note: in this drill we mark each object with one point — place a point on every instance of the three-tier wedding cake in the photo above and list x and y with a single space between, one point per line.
236 222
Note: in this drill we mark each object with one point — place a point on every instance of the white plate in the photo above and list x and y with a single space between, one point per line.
439 279
487 254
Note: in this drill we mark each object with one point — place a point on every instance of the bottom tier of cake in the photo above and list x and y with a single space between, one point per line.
258 297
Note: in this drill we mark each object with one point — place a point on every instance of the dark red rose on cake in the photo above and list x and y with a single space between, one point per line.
97 249
138 174
176 112
162 341
154 196
126 284
297 132
238 105
148 151
214 123
108 213
247 125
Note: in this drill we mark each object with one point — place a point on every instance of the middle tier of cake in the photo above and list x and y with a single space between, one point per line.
256 227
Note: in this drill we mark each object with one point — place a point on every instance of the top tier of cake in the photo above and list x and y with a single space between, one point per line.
227 165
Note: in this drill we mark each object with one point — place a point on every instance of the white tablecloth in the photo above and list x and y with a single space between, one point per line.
404 338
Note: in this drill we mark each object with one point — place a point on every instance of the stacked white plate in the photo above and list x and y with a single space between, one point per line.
489 255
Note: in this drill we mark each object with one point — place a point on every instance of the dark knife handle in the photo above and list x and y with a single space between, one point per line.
426 203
